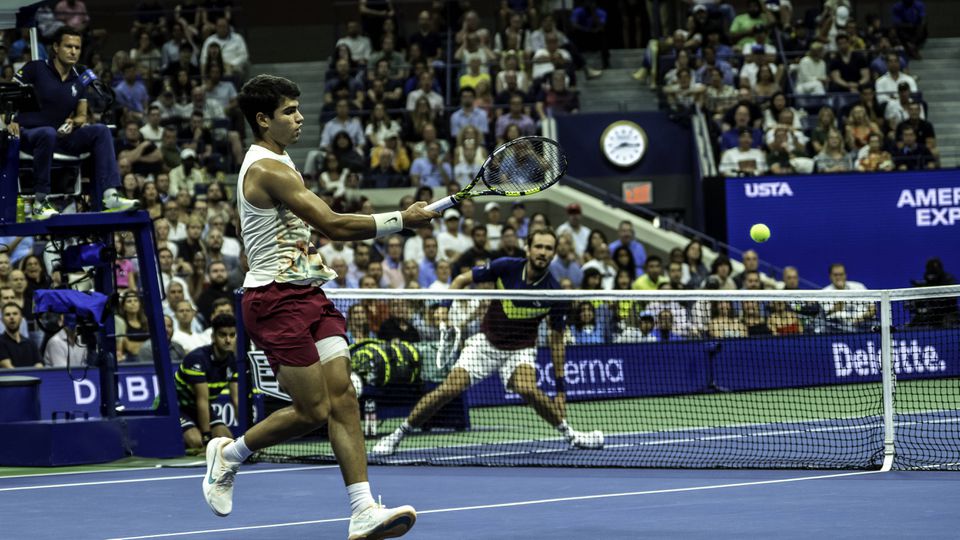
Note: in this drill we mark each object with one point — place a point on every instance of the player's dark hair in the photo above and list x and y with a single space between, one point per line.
836 265
263 94
220 302
13 304
468 90
65 31
223 321
546 230
653 258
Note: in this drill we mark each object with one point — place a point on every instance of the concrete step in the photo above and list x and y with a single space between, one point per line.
619 58
934 63
612 80
937 43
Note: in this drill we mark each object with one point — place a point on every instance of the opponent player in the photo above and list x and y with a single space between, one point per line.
206 373
507 342
288 316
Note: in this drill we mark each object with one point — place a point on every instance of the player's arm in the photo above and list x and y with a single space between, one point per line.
202 394
462 281
273 181
235 397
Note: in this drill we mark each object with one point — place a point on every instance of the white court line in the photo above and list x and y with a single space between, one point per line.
161 479
35 475
514 504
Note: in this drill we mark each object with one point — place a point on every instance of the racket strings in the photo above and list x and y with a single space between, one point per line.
526 166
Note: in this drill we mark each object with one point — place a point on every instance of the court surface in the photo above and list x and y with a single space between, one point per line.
300 502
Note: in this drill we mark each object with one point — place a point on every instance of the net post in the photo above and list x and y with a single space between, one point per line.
886 368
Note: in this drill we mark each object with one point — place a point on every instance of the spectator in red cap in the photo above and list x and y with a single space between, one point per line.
577 230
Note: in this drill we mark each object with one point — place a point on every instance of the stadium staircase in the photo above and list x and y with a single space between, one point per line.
938 76
309 76
616 90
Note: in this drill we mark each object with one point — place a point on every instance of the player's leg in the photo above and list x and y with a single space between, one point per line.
367 519
309 410
521 375
523 381
478 359
346 437
455 384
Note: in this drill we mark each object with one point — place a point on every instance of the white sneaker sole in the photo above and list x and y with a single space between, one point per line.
397 525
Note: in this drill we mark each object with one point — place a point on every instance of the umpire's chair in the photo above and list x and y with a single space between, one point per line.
66 178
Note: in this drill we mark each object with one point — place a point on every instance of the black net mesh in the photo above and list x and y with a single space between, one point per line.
926 363
524 165
660 379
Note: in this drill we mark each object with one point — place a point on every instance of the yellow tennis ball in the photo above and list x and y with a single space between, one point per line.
760 233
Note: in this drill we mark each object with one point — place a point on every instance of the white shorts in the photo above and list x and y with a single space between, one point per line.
480 358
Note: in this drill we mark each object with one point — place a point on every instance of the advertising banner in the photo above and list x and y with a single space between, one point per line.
882 227
656 369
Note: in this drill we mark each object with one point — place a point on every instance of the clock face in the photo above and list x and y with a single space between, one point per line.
624 143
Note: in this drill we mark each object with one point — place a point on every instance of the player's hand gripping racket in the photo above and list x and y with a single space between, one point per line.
523 166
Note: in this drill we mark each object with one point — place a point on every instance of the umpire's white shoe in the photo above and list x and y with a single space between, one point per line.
387 445
378 522
592 440
218 482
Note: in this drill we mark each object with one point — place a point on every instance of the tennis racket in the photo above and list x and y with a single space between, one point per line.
523 166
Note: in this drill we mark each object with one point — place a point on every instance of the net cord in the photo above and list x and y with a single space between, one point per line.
876 295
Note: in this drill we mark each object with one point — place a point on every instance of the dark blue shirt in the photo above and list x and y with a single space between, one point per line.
58 98
910 14
201 366
512 324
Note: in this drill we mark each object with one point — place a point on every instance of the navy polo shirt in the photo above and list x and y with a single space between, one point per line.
58 98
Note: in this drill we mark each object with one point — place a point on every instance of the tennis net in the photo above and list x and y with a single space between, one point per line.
732 379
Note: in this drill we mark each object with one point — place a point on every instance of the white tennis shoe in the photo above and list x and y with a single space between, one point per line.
592 440
378 521
388 445
218 482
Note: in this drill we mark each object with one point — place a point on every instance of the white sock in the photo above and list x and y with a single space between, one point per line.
237 451
360 497
565 429
405 428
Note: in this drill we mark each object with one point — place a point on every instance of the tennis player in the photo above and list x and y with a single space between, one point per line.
205 374
288 316
507 342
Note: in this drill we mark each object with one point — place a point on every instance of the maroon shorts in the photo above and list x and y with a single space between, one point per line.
286 321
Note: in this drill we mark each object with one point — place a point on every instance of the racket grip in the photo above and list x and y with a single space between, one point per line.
442 204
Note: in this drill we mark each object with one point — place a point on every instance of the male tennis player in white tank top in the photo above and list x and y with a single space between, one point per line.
287 315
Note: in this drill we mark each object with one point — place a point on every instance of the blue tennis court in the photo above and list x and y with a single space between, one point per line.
293 502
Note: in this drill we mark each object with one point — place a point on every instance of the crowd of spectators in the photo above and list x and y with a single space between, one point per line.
800 93
461 84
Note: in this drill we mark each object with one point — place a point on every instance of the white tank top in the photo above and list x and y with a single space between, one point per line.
276 240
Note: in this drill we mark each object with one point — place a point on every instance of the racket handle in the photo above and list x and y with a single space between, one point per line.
442 204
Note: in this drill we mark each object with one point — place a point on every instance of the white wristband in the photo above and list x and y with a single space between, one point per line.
388 223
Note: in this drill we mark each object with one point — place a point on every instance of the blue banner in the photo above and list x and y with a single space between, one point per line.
656 369
882 227
137 389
